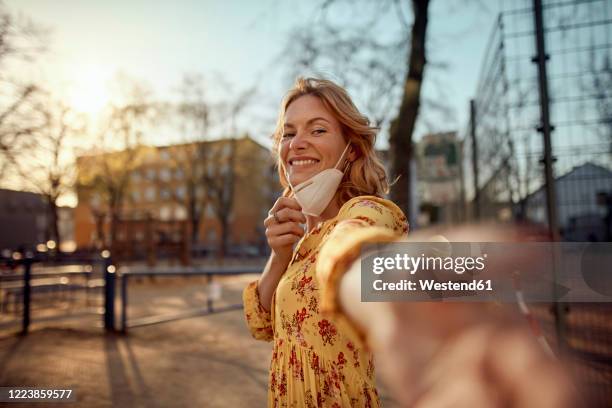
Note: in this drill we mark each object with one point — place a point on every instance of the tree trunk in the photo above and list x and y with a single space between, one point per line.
195 229
402 128
224 237
114 225
54 223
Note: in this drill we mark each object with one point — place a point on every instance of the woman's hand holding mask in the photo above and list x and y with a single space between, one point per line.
283 227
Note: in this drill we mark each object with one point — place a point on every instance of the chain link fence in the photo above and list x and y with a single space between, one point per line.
504 151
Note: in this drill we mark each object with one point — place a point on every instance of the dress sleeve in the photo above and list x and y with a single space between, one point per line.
259 321
361 220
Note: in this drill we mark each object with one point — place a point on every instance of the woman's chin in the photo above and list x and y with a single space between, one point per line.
300 178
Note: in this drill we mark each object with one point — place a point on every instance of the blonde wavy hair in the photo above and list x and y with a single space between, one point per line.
366 174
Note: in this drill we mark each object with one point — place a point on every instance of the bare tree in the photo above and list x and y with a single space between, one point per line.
598 84
350 49
219 183
21 41
50 168
194 112
107 172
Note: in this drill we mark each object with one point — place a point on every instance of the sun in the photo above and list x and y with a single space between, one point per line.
89 92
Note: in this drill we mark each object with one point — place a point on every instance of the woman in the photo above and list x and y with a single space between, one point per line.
319 359
307 298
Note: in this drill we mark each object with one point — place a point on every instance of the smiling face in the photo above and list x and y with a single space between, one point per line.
312 139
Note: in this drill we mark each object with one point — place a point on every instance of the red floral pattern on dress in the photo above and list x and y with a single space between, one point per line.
352 348
296 365
368 204
314 364
313 305
301 255
282 386
303 286
341 360
366 219
327 331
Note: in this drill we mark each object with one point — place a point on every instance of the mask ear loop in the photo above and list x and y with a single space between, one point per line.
342 157
282 164
347 166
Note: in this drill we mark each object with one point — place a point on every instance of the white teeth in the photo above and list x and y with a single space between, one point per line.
302 162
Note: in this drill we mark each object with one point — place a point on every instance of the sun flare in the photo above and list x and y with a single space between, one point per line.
89 93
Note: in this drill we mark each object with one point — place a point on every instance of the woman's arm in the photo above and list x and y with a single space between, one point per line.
268 281
456 354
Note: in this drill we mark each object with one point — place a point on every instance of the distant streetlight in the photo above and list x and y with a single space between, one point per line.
51 244
41 248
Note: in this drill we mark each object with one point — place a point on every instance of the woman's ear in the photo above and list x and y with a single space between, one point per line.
352 153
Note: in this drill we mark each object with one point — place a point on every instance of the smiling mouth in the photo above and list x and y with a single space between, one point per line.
302 162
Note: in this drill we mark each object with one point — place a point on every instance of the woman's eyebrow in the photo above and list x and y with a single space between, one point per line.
317 118
308 122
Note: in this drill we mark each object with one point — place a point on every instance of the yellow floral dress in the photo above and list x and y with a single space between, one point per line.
319 359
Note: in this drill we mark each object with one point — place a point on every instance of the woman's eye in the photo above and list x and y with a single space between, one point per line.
319 131
286 135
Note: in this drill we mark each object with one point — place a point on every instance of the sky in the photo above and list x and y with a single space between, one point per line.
156 42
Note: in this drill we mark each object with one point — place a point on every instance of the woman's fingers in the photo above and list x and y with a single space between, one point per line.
285 202
284 228
284 215
283 240
290 214
285 209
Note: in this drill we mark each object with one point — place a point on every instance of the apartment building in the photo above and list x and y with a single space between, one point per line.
207 181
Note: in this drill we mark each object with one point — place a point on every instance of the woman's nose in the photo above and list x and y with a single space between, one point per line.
299 141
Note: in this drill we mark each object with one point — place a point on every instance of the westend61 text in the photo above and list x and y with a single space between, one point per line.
431 284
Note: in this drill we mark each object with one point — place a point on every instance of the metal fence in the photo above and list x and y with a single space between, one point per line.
33 290
538 147
213 292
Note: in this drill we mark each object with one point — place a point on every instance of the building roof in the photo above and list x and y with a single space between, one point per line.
587 169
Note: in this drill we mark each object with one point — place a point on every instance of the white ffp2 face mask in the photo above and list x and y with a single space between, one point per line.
315 194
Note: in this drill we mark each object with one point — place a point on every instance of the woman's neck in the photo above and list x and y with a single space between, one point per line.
330 212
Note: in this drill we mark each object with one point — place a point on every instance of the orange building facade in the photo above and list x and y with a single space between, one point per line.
176 184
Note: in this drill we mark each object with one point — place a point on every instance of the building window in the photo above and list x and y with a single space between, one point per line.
165 194
136 196
95 200
227 150
150 194
165 155
178 174
180 192
164 213
209 211
164 175
180 214
135 176
151 174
